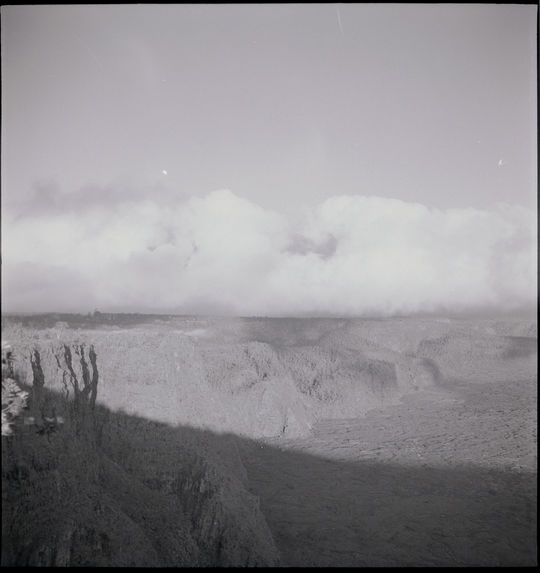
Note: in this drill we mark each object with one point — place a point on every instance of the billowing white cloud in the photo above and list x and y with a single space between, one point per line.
350 254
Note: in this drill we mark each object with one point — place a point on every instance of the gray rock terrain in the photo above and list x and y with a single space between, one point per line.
193 441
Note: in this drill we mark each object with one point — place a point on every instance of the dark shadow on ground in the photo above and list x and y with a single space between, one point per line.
329 513
123 490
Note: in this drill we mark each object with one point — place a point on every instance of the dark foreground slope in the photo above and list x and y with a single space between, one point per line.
147 494
85 486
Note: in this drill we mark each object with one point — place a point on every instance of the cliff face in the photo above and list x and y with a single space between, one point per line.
262 378
85 486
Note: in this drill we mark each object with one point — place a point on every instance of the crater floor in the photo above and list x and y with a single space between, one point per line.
446 477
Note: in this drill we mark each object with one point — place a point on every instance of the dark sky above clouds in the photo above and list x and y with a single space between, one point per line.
269 159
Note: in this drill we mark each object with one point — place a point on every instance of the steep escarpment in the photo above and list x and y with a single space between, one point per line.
85 486
264 378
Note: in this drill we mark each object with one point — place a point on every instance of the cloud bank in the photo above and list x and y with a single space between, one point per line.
221 254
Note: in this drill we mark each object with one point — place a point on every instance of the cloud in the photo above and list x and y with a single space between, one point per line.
394 257
220 253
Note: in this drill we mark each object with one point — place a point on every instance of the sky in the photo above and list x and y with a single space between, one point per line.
308 159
